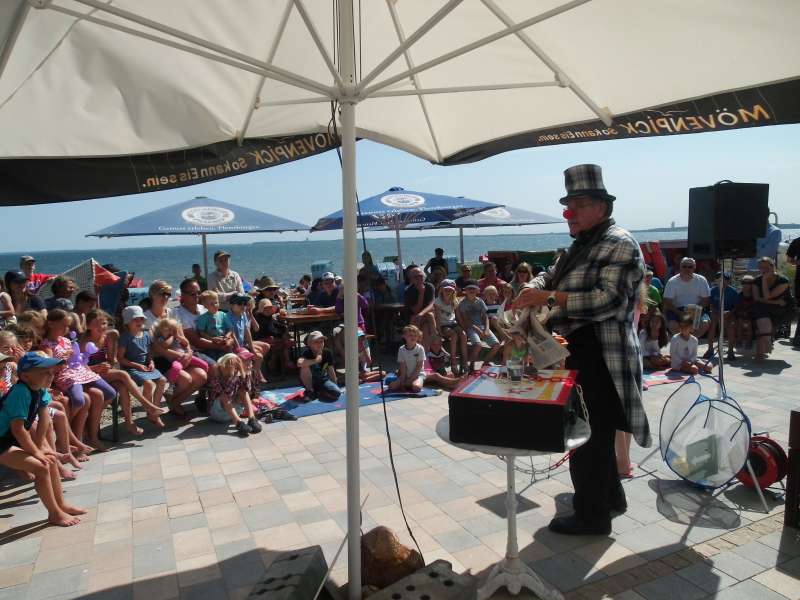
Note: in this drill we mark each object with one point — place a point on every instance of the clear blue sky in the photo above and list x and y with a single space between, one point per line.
650 177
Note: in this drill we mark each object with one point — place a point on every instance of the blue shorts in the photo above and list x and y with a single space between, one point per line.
474 338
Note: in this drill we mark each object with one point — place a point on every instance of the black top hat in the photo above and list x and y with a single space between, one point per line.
585 180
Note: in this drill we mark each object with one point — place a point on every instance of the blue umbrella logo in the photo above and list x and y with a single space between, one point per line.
402 200
496 213
208 215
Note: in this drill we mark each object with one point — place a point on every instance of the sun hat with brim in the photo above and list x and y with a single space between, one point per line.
266 283
26 259
447 284
585 180
471 283
219 254
129 313
34 360
314 336
239 299
328 276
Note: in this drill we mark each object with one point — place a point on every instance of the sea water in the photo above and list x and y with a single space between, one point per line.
285 261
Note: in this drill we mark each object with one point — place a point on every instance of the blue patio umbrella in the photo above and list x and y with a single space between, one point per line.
200 216
398 209
503 216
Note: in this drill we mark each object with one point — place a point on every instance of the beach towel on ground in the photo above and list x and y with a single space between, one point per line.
651 378
292 399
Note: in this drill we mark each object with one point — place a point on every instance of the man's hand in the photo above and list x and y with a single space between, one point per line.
531 297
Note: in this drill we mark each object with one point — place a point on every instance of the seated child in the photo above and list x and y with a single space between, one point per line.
274 333
20 450
444 314
474 320
316 369
230 388
214 325
683 349
240 317
435 367
134 355
652 339
410 360
168 335
494 310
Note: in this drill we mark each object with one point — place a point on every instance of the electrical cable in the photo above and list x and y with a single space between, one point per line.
394 470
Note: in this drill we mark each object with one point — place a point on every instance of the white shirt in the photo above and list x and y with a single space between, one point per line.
150 319
410 358
445 313
683 293
649 347
681 350
185 317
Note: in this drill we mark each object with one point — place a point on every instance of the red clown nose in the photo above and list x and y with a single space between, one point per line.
568 213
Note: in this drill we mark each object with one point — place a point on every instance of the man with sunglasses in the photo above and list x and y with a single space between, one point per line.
466 275
592 293
683 289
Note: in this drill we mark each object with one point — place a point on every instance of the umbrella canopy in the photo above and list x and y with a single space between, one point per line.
107 99
102 99
200 216
398 209
403 209
197 216
502 216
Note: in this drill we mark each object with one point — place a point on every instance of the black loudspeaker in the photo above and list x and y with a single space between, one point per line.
726 219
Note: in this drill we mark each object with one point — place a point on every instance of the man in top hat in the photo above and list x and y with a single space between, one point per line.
226 282
592 293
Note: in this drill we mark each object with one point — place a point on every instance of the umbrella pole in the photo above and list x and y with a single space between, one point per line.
461 243
350 235
399 253
205 257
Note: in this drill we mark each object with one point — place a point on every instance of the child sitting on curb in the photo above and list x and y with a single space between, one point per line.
231 387
19 450
317 373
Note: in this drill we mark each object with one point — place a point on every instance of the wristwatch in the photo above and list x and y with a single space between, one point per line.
551 300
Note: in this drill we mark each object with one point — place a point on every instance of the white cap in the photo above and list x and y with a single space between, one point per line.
129 313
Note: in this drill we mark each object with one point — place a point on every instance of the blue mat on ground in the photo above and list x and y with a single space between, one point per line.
369 393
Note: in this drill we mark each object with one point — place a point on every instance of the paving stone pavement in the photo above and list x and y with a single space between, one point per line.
198 512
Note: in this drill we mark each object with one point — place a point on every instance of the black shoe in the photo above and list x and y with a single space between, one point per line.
709 353
242 429
619 506
310 394
201 403
730 357
572 525
281 414
253 425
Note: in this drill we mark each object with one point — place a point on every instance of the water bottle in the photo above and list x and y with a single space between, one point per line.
289 307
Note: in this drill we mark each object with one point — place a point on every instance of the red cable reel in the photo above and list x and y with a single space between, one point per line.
769 462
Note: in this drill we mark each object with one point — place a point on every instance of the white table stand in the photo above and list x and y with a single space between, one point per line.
511 572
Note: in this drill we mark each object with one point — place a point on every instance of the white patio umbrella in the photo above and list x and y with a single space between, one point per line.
101 99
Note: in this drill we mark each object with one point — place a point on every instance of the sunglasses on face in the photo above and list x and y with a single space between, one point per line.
166 294
191 293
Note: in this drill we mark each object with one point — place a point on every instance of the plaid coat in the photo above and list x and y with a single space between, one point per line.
603 291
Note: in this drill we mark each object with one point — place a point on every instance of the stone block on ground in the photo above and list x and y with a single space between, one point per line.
293 575
436 581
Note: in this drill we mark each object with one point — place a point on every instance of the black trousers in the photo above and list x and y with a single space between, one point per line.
593 466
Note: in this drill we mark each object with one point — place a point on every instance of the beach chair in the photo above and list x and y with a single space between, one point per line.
111 295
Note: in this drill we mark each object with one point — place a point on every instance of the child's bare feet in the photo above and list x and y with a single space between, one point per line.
73 510
63 519
82 457
134 429
98 447
84 448
155 419
65 473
